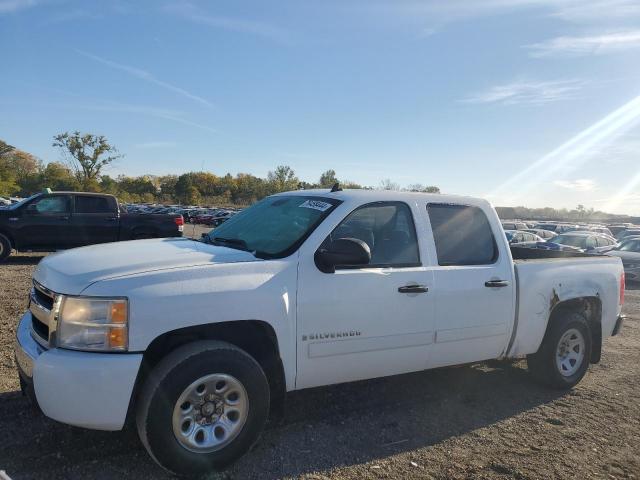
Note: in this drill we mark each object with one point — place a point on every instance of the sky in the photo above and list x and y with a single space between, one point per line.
524 102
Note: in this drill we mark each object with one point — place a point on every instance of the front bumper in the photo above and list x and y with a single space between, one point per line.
90 390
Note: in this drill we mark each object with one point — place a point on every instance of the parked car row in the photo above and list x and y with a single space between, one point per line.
6 201
191 214
50 221
621 240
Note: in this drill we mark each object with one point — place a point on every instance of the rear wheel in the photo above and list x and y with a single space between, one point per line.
202 407
5 248
564 356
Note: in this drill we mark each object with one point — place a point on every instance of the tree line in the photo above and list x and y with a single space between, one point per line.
85 157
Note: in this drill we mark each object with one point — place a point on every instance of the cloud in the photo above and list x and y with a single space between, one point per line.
595 10
586 45
529 92
157 144
577 11
10 6
194 14
580 185
146 76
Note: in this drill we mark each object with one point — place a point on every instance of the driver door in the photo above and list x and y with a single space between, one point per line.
44 223
364 322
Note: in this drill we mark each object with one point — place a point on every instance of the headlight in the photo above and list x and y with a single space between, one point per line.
97 324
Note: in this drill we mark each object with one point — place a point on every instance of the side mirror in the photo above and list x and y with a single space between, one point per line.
345 252
32 209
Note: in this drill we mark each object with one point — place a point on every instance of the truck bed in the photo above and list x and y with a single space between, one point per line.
526 253
546 278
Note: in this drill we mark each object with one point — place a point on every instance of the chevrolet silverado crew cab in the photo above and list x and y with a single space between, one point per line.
303 289
50 221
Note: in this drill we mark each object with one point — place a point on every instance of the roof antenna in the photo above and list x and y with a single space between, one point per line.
336 188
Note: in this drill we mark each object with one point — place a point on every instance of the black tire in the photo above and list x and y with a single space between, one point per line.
171 377
5 248
543 365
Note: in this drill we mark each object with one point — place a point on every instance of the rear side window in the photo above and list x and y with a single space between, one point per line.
462 235
92 205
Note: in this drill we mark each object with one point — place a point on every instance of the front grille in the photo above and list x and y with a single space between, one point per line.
43 299
40 328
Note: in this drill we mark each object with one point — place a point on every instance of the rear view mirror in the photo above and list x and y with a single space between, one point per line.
343 252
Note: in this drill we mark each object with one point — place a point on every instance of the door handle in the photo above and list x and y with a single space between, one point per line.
413 289
63 218
496 283
111 219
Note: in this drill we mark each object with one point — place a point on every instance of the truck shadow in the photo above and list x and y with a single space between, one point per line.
23 260
322 429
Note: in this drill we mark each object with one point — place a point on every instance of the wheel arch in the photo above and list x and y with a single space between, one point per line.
256 337
591 308
9 237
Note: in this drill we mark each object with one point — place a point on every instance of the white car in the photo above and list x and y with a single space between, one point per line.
303 289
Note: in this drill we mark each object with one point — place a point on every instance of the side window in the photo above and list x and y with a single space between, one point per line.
388 229
91 204
591 242
57 205
462 235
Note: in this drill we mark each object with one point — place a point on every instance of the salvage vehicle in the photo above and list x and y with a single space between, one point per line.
51 221
303 289
629 252
585 241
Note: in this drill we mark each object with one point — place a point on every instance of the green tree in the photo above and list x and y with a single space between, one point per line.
328 179
282 179
387 184
58 177
184 188
418 187
86 154
5 148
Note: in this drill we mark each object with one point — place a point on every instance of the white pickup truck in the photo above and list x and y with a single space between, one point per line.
196 339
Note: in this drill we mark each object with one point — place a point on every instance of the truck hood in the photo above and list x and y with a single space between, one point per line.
72 271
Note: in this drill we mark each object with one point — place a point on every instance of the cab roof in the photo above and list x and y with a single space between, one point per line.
365 195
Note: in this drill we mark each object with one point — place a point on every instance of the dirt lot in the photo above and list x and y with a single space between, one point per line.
482 421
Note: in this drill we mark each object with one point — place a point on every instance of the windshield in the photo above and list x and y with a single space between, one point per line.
630 246
571 240
274 227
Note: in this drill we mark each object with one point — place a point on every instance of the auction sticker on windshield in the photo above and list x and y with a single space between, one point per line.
316 205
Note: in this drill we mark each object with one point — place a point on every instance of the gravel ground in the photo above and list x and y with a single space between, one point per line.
481 421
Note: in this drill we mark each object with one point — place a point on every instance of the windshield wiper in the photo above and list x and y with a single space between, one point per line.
236 243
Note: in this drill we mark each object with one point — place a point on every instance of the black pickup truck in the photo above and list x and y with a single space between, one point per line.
50 221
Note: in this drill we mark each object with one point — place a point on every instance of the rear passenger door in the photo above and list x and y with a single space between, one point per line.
94 220
474 285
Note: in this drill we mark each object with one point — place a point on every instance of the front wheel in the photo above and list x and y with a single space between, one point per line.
564 356
202 407
5 248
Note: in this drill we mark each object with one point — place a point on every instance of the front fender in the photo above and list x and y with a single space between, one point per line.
168 300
